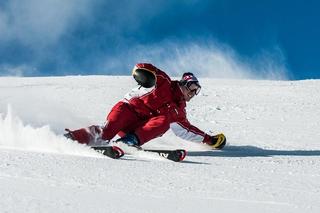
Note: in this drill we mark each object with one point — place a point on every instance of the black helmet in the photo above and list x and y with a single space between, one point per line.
187 77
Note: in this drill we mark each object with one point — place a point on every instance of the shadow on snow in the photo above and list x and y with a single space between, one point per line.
252 151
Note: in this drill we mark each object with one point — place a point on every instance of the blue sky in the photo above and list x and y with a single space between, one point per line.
265 39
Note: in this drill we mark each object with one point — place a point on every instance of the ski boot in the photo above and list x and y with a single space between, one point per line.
130 140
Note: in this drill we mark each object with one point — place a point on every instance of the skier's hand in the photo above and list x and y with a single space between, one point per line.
215 141
144 77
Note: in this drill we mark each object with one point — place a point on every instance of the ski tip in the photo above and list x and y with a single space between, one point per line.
118 150
114 152
182 153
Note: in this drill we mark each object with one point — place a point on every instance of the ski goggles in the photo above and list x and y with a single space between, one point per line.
193 86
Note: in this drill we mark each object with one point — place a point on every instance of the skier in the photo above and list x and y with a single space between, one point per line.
149 111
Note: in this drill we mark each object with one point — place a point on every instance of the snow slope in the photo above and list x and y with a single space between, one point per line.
271 163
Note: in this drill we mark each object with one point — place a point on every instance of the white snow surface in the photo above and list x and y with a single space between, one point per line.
270 164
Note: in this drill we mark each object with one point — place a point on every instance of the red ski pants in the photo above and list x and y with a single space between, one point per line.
122 120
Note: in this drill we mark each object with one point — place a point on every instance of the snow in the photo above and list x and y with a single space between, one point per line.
271 162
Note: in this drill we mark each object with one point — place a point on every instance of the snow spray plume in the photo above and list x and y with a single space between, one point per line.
15 135
211 59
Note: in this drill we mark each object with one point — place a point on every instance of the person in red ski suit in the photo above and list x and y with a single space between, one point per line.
148 111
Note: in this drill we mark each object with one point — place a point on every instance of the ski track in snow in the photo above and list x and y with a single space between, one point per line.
271 163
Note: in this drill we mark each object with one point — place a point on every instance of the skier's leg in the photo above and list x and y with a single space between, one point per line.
121 117
154 127
84 135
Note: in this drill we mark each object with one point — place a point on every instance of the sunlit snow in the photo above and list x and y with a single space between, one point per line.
271 162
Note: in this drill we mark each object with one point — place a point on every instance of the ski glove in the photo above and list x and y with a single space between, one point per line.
216 141
146 78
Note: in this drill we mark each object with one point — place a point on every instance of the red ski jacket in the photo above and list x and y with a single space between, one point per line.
165 98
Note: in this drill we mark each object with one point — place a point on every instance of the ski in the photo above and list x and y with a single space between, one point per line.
174 155
116 149
114 152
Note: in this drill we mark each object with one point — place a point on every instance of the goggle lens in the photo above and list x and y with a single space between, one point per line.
193 87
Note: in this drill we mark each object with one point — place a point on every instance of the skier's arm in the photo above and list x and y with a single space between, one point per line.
187 131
